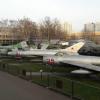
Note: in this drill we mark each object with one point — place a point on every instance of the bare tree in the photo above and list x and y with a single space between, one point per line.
51 29
27 28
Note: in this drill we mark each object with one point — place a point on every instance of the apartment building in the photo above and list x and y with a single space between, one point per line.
9 38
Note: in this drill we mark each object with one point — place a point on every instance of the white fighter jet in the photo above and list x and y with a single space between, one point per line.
90 63
5 49
47 52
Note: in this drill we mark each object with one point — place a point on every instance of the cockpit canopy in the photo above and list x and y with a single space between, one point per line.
60 54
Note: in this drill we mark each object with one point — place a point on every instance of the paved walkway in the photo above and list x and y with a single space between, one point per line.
14 88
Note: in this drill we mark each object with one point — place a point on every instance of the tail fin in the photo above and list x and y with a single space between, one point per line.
23 44
74 48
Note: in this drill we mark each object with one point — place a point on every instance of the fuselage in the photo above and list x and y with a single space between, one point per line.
72 58
34 52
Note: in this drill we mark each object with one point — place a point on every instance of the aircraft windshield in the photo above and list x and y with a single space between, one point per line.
59 54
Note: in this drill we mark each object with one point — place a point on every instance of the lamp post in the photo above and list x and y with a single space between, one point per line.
85 32
41 73
93 36
48 35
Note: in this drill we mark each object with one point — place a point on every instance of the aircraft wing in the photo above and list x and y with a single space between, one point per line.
83 65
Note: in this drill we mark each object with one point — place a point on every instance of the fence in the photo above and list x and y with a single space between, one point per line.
63 85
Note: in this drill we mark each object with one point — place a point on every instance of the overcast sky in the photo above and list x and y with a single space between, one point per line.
77 12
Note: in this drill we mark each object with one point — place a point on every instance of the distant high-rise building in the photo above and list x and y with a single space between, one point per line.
92 31
91 27
67 28
97 27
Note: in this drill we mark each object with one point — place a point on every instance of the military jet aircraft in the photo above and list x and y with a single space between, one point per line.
5 49
44 52
82 61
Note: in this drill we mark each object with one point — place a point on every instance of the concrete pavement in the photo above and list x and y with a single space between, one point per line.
14 88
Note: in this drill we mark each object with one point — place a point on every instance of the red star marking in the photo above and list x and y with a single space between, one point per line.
18 56
50 61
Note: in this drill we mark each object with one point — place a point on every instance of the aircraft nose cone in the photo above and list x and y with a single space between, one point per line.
9 53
